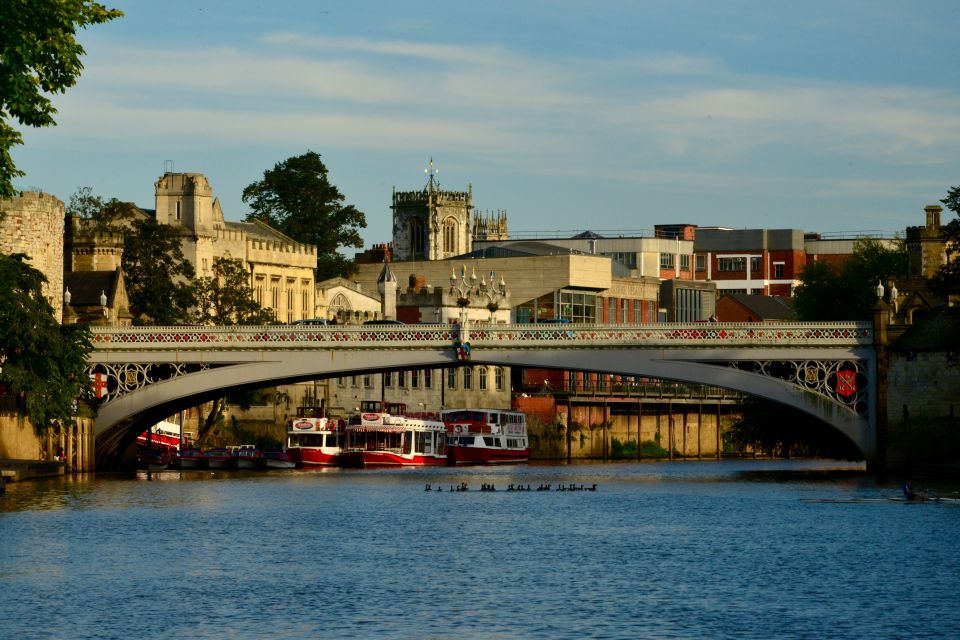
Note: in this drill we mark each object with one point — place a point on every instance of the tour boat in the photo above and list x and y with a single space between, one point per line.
392 439
192 458
246 456
163 435
313 439
219 458
485 436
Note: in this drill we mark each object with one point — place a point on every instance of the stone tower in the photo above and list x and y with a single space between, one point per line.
490 226
34 226
926 250
432 224
387 286
186 199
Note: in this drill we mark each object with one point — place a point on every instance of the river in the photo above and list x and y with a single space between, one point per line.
732 549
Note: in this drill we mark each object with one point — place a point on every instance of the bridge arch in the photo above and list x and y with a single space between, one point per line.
224 360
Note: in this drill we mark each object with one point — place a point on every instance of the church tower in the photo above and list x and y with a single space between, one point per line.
432 224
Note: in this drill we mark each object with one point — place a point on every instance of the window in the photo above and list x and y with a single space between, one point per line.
418 234
626 258
577 306
483 378
368 381
498 377
450 235
388 379
732 264
637 312
684 262
451 378
701 263
756 265
401 379
178 209
428 378
415 378
778 268
612 311
467 378
666 261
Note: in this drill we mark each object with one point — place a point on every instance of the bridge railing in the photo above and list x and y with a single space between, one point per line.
273 337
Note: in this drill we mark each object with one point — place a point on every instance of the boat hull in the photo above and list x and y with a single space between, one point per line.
309 457
484 455
193 463
365 459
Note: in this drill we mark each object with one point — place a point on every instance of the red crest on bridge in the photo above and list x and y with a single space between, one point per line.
99 381
846 383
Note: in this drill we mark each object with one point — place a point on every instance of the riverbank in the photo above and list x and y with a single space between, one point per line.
19 470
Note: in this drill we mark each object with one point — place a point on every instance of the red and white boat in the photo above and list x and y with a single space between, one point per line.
486 436
314 439
391 438
163 435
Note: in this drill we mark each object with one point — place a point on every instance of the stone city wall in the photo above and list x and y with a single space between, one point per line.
34 225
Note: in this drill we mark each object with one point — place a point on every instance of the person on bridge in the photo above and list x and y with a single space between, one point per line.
913 496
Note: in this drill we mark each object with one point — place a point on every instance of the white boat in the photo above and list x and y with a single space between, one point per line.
313 439
486 436
392 439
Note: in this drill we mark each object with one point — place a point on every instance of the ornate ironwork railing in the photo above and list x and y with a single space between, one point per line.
705 335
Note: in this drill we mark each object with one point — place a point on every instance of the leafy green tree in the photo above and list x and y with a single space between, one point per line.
848 292
297 198
225 298
158 276
39 55
41 361
947 280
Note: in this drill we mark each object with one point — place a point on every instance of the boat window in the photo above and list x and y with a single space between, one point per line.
418 447
428 443
490 441
441 448
407 441
333 440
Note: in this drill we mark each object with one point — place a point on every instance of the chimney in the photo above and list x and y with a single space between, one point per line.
933 215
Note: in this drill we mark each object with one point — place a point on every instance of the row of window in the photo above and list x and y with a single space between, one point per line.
423 379
740 264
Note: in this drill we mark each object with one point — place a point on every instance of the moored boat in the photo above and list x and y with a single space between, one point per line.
191 457
486 436
277 460
314 439
155 459
219 458
391 438
246 456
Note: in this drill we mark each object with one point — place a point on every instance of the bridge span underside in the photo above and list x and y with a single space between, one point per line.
810 383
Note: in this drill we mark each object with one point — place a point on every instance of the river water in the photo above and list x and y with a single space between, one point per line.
733 549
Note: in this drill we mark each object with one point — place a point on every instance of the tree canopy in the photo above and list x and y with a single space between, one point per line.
848 292
41 361
297 198
947 280
225 297
39 55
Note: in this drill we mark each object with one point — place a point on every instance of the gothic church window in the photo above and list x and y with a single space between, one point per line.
450 235
418 233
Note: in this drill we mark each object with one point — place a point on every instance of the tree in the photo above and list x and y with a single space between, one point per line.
225 297
848 292
158 277
41 360
297 199
947 279
39 55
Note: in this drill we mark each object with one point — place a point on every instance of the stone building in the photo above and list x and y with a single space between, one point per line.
94 287
281 269
432 224
33 225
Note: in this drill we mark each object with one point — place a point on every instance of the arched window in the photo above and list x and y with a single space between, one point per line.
339 305
418 237
450 235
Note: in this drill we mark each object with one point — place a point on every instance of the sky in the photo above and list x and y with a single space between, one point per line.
613 116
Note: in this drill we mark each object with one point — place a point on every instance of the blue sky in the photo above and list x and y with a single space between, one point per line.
604 115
